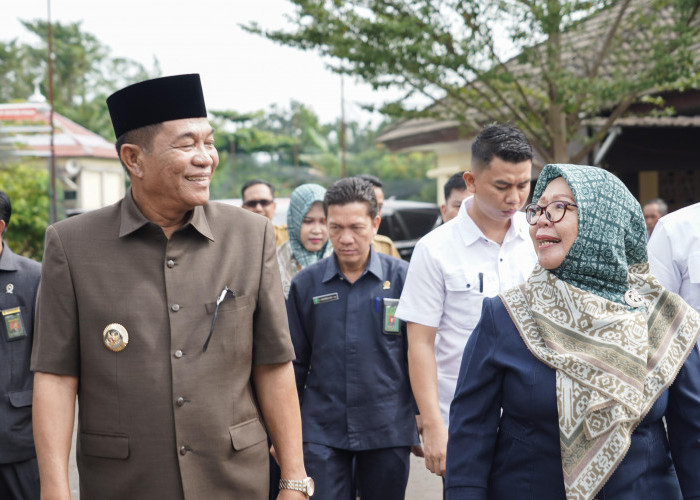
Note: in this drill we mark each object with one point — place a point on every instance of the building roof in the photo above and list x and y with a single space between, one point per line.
652 121
26 126
580 47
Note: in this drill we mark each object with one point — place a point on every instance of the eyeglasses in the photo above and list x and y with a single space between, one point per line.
554 211
254 203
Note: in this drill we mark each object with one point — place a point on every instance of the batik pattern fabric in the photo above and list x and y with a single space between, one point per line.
611 364
611 230
613 359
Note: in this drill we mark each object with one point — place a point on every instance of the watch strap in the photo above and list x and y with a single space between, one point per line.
295 484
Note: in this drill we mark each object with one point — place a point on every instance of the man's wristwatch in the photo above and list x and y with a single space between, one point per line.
306 485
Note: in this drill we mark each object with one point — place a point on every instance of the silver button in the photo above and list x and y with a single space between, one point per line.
180 401
183 450
175 307
178 354
171 263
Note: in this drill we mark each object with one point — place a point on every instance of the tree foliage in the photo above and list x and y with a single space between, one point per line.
25 185
289 146
547 66
84 72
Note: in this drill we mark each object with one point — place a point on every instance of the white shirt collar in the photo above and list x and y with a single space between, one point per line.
470 232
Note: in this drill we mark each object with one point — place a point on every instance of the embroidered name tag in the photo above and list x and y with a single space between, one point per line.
14 327
329 297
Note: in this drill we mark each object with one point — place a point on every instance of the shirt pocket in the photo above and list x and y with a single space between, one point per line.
104 445
464 298
473 283
247 434
694 268
233 325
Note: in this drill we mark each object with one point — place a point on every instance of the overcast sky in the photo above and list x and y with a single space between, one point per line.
239 71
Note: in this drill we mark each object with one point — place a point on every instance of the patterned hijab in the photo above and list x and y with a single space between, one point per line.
300 203
614 335
611 230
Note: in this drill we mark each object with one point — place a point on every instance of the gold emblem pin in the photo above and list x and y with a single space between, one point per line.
386 285
115 337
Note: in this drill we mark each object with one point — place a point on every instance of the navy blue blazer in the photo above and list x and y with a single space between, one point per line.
516 454
19 280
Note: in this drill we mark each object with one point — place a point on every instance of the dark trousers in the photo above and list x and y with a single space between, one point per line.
275 474
19 480
380 474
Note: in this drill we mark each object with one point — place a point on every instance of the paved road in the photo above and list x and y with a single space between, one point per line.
422 484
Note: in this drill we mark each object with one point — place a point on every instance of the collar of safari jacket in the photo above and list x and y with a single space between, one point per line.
132 218
374 266
7 259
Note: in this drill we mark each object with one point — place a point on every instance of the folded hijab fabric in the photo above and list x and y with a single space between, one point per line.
611 230
300 203
613 357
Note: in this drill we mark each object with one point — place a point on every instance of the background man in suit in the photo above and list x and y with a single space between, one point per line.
259 196
165 314
455 192
653 210
19 280
380 243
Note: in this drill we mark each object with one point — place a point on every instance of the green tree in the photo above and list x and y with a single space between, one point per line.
289 146
578 59
84 72
25 184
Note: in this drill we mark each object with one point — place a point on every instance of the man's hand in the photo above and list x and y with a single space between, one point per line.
53 412
435 447
418 450
423 372
291 495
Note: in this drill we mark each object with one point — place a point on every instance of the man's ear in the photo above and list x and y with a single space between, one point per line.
131 158
375 223
2 227
469 177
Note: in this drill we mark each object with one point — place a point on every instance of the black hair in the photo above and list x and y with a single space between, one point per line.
142 137
372 179
454 182
255 182
5 209
502 140
350 190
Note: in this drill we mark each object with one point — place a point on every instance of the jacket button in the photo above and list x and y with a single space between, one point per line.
180 401
171 263
175 307
183 450
178 354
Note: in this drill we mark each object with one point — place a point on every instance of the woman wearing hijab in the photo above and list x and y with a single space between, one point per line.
565 381
308 233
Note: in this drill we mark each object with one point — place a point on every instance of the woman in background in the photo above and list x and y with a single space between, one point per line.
308 233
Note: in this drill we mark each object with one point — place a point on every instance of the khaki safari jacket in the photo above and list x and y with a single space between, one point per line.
161 418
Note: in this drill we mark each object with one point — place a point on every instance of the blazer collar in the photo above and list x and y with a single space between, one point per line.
132 219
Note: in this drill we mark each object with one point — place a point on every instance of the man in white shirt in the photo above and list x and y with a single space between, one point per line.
677 265
484 250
